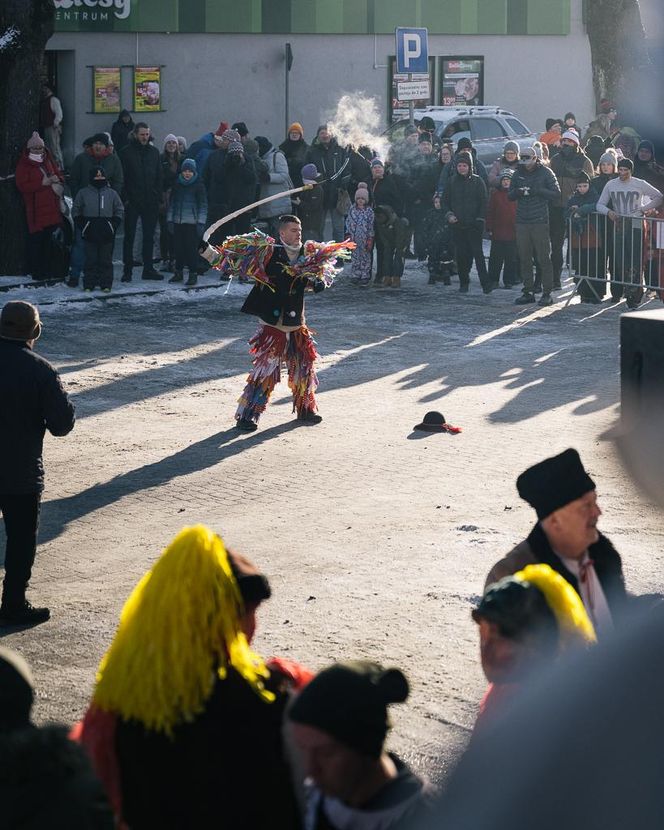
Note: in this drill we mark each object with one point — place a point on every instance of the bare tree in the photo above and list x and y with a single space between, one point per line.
617 45
25 27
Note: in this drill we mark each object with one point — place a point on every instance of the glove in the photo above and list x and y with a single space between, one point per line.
319 286
170 227
200 229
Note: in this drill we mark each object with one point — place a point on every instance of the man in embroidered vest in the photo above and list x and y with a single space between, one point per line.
566 537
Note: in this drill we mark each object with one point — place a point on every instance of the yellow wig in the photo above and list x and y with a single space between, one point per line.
573 622
178 630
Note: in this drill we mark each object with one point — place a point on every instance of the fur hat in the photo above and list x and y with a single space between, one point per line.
19 321
35 142
554 482
362 193
349 702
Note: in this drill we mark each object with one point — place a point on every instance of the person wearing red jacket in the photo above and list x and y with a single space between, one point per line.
40 182
501 223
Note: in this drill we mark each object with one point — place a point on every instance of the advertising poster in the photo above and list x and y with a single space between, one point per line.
106 89
399 109
462 81
147 89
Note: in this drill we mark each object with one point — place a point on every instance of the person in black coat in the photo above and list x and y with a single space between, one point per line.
121 130
465 203
143 192
283 336
329 158
32 400
233 186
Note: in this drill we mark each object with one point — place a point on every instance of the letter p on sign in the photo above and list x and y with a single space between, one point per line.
412 50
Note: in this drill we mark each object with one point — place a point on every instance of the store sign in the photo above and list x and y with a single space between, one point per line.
462 81
147 89
106 89
92 9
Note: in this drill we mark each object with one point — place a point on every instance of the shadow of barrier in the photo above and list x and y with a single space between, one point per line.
627 252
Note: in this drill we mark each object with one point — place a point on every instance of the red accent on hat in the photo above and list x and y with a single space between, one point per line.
221 129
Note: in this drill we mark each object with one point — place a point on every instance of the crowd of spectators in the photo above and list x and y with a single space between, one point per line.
428 199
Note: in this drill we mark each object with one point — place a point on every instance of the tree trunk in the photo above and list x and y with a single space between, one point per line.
25 27
617 45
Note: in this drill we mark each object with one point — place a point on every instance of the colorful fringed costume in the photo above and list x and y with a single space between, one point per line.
277 299
185 723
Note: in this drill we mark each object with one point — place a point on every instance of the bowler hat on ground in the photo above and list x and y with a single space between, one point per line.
554 482
435 422
19 321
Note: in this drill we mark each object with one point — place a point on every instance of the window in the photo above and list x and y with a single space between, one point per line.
486 128
454 128
517 126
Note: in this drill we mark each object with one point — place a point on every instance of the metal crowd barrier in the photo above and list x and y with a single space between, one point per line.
627 253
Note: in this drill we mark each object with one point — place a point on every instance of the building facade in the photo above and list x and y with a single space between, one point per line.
185 65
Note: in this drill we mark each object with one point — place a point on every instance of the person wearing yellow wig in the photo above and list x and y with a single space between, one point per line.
526 621
185 726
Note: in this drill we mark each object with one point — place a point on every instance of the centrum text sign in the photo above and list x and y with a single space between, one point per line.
121 9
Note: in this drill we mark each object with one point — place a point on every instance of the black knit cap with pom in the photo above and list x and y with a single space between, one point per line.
349 702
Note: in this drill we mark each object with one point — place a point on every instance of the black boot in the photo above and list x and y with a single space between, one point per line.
177 277
309 416
192 279
24 614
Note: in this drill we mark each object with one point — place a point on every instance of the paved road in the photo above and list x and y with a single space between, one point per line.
376 539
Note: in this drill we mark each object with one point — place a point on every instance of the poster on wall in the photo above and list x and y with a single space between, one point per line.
462 81
106 89
147 88
399 109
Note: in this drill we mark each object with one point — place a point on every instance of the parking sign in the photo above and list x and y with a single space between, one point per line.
412 50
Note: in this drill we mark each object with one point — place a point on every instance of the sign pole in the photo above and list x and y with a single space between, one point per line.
411 105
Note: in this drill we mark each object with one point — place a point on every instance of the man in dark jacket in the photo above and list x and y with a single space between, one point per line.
329 158
566 537
32 400
567 164
142 195
465 203
121 130
533 188
283 336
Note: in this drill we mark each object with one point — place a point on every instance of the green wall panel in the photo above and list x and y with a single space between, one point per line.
548 18
442 16
492 17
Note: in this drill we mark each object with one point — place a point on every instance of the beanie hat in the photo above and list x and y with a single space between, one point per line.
230 135
309 173
549 123
571 135
626 162
463 158
411 129
170 137
35 142
250 147
221 129
98 174
264 144
427 123
511 145
377 163
425 138
296 127
235 148
349 702
506 174
253 585
100 138
537 150
583 177
362 193
464 144
320 128
241 128
19 321
189 164
554 482
569 115
16 691
609 157
647 145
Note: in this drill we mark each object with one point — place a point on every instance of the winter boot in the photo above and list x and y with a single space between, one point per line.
309 416
177 277
192 279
